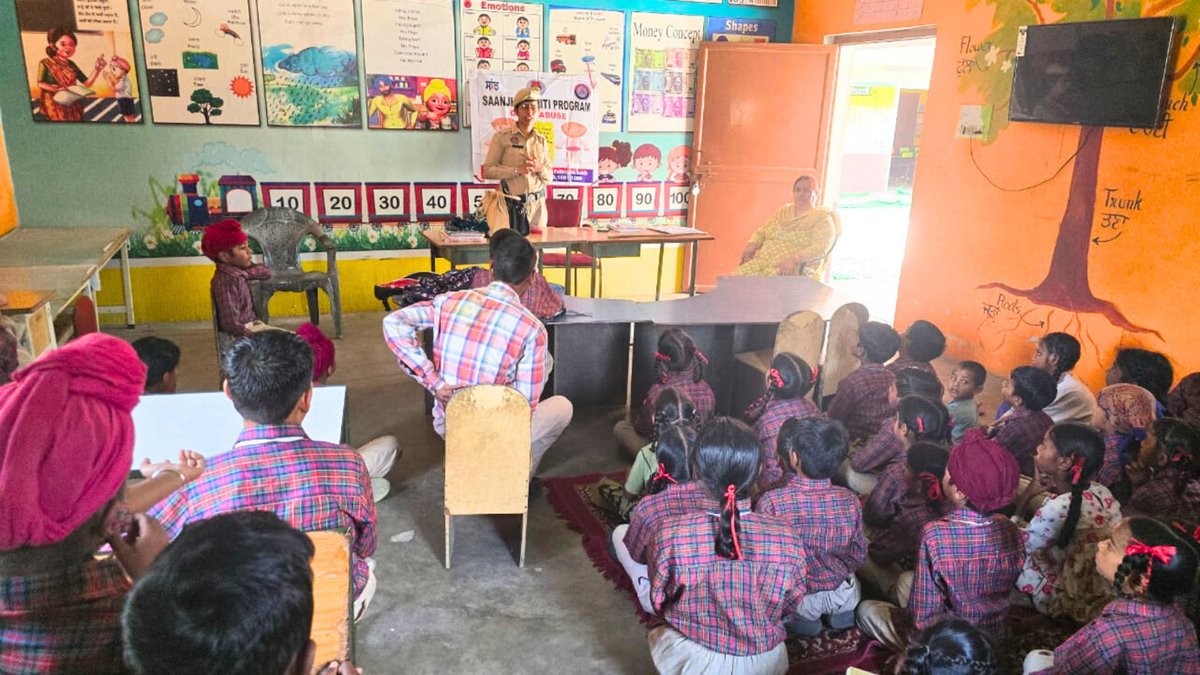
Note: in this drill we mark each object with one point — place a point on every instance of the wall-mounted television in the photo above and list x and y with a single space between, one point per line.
1096 73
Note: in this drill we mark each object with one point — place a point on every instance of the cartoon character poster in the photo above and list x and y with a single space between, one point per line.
408 46
569 119
591 42
499 36
643 158
310 63
199 61
662 71
79 61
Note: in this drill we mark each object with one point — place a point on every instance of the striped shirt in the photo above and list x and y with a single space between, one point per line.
64 620
480 336
883 449
699 393
861 402
767 429
1132 636
967 565
732 607
310 484
828 520
652 511
231 293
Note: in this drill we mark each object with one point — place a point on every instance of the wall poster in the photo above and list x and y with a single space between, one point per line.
591 42
569 119
408 49
737 29
199 61
662 71
499 36
310 63
79 61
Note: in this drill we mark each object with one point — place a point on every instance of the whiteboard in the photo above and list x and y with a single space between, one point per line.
207 422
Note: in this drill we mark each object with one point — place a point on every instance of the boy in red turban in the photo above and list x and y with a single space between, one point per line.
226 244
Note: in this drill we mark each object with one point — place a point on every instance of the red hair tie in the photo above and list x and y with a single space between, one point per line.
700 355
920 426
775 378
1077 469
1164 554
663 475
933 491
1180 455
659 356
816 371
731 502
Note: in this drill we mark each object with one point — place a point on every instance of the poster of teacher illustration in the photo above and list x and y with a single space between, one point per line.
79 61
199 61
591 42
310 63
569 118
662 71
408 49
499 36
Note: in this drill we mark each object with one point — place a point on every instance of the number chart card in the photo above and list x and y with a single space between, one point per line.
199 61
678 199
642 199
310 63
295 196
571 192
408 46
436 201
472 194
662 71
500 36
339 202
388 202
604 200
591 42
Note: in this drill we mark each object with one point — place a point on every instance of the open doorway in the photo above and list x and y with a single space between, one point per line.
878 112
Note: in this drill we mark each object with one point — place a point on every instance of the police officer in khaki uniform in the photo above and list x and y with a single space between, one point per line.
520 158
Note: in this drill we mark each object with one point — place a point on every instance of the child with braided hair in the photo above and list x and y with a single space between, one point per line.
1166 473
677 363
788 382
949 647
917 419
1142 631
725 587
862 470
1058 577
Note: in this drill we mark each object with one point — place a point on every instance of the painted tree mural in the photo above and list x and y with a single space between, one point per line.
1066 284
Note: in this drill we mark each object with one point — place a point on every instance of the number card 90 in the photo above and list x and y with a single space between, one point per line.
642 198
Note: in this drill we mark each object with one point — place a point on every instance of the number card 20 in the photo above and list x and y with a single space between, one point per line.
339 202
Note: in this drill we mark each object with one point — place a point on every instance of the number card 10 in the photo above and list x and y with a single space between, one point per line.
643 198
388 202
605 201
339 202
293 196
436 201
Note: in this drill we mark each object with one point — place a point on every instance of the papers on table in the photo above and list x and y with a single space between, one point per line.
675 229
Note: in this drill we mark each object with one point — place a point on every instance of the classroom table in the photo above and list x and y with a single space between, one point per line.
61 284
586 239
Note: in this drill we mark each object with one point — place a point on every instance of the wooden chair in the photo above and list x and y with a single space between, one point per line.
801 333
279 231
488 456
333 597
839 348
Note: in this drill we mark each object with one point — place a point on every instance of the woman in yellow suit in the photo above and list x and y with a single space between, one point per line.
797 239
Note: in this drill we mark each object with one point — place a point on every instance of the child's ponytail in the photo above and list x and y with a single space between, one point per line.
671 450
676 353
1180 444
672 408
927 461
926 420
727 463
729 526
1084 446
1158 564
789 377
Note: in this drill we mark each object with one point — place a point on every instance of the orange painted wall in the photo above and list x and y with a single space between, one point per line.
8 201
966 233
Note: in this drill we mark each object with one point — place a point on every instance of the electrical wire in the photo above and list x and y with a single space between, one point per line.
1087 139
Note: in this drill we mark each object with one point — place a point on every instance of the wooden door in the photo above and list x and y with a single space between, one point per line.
762 118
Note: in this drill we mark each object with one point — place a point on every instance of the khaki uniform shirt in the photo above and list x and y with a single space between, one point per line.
507 154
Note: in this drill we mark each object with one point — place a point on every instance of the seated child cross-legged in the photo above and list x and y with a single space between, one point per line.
226 244
1143 631
677 363
1058 576
861 471
788 382
917 419
861 402
827 518
921 343
1166 472
725 578
969 559
1123 413
965 384
1021 429
892 554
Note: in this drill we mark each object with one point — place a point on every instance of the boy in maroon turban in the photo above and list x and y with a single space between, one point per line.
226 244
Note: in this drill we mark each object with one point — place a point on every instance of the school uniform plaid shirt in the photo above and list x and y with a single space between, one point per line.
899 542
829 522
883 449
905 361
310 484
63 621
540 298
1161 498
652 511
884 500
732 607
967 564
1111 470
1021 432
700 394
1131 636
861 402
480 336
231 293
767 427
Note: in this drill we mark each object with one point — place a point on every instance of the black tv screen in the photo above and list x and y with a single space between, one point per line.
1096 73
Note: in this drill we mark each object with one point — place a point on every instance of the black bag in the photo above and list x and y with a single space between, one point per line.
467 224
518 217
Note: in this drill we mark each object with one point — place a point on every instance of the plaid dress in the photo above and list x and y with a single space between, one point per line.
900 542
861 402
1161 498
652 511
828 520
1132 636
883 449
700 394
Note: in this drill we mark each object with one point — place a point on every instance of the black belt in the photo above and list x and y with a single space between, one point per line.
533 196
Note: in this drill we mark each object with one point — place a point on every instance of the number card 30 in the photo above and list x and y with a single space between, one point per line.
388 202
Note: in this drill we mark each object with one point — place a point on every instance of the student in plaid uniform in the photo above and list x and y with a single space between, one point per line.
1057 354
1021 429
917 420
678 363
969 559
861 402
788 382
1143 631
861 471
725 579
66 445
226 244
921 343
1166 472
483 336
827 518
274 465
